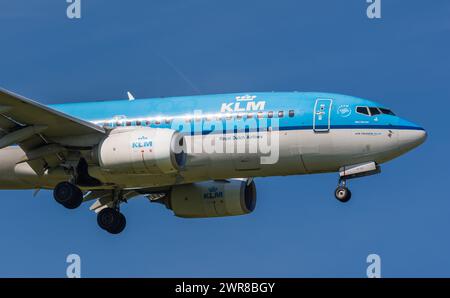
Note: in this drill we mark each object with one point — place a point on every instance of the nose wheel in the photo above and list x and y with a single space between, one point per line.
342 193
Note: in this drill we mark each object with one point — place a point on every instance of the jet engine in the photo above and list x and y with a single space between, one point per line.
142 150
211 199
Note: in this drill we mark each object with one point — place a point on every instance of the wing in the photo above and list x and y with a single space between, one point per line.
41 131
19 112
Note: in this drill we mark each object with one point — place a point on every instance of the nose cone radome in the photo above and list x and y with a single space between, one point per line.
411 138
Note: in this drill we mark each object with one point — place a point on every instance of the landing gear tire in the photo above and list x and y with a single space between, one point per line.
111 220
68 195
343 194
121 226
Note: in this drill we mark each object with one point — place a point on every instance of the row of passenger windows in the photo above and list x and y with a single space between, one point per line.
372 111
259 115
270 114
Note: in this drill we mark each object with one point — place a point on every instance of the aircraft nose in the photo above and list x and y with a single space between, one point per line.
411 138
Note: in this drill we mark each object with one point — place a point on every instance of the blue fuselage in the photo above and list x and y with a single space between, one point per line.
293 111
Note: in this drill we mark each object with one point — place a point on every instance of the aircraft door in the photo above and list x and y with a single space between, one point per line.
322 115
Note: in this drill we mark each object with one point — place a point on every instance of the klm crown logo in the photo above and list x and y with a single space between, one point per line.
212 189
245 98
142 142
213 193
243 104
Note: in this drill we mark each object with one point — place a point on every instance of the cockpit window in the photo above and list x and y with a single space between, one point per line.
362 110
386 111
374 111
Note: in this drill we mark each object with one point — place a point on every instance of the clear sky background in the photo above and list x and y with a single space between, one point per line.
186 47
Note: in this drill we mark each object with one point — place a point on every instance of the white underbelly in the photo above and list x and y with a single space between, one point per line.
291 152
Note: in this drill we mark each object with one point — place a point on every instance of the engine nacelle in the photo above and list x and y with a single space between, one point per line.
212 199
142 150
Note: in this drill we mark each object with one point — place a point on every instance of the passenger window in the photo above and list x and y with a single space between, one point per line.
280 114
386 111
249 115
291 113
374 111
270 114
239 116
362 110
138 123
260 115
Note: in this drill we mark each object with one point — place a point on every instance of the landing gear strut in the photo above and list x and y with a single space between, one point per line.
68 195
111 220
342 193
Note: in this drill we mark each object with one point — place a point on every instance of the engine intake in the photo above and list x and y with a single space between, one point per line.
142 151
212 199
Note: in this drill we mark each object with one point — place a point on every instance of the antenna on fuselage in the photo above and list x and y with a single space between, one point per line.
130 96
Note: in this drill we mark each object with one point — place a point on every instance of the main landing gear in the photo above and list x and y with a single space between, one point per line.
68 195
342 193
111 220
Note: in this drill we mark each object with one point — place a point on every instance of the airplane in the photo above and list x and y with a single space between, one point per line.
196 155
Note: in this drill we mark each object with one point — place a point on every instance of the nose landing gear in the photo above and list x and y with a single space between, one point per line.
342 193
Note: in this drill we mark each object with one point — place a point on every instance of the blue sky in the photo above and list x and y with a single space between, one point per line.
168 48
